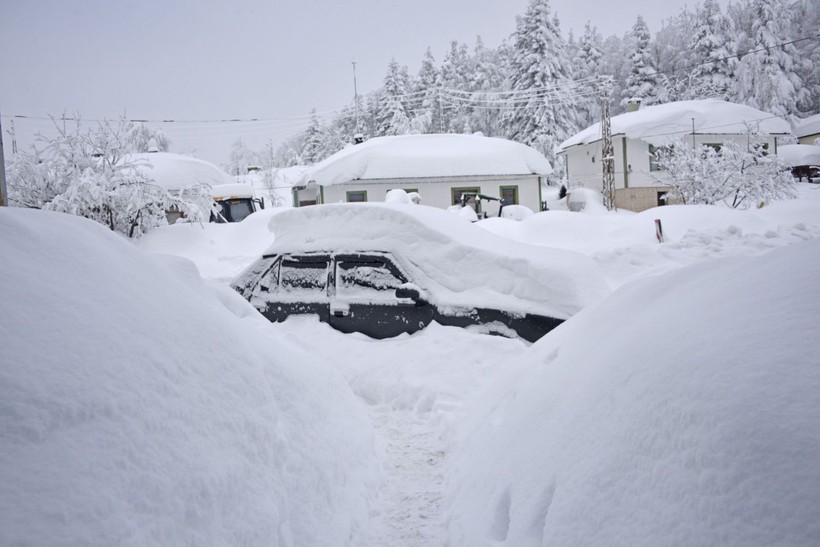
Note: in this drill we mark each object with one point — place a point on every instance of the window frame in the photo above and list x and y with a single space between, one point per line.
514 188
356 192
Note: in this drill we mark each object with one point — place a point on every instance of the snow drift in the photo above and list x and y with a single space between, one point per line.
691 419
140 406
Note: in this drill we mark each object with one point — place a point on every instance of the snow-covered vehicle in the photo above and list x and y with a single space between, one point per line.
236 201
386 269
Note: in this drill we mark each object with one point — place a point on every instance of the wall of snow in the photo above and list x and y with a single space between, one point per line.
613 437
141 406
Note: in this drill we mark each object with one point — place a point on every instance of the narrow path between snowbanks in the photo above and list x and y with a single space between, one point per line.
414 388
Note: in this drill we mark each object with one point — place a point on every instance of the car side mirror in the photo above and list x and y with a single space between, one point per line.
410 293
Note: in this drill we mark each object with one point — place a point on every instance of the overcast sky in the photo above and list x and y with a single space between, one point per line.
216 59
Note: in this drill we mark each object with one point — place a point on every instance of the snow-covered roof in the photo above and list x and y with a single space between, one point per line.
799 154
175 171
420 156
232 190
454 261
664 123
808 126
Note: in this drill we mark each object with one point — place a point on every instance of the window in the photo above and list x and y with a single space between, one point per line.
367 279
654 153
509 194
303 275
357 196
662 197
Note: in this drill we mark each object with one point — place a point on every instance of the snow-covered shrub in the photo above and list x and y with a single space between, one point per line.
738 175
87 172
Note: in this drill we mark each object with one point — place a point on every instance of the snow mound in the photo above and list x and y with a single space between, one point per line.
456 262
140 406
220 250
645 439
418 156
664 123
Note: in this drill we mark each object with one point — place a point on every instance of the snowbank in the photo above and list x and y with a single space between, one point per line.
419 156
458 263
141 406
692 419
220 251
664 123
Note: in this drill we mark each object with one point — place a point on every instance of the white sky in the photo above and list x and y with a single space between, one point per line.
214 60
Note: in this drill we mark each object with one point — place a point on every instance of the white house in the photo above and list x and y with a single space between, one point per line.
439 167
635 136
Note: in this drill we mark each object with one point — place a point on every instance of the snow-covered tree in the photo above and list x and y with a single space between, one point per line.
737 175
540 113
586 67
456 75
391 116
141 138
712 51
90 173
425 118
241 157
312 151
767 74
642 81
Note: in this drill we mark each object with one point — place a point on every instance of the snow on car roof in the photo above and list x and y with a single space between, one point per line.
420 156
799 154
174 171
457 263
664 123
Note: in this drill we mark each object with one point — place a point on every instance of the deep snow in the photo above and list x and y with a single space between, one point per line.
680 410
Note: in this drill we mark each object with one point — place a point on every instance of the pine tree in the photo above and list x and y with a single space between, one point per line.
540 112
767 76
391 117
712 54
312 151
586 66
642 81
425 96
455 77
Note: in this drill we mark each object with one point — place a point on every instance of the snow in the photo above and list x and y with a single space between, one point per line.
142 406
175 171
692 422
799 154
663 124
682 409
457 263
807 126
232 190
419 156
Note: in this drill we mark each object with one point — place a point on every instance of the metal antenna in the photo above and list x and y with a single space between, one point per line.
608 153
356 96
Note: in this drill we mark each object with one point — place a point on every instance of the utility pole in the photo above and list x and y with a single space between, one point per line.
608 152
4 197
356 97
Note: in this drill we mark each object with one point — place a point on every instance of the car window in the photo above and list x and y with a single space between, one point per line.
366 279
303 275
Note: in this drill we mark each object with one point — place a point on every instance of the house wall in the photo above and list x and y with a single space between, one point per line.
436 192
809 139
583 172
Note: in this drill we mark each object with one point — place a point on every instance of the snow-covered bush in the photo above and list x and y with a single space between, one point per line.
87 172
740 176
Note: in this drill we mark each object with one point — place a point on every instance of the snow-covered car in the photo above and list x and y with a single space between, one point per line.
386 269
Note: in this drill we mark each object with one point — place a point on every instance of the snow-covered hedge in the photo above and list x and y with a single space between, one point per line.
140 405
